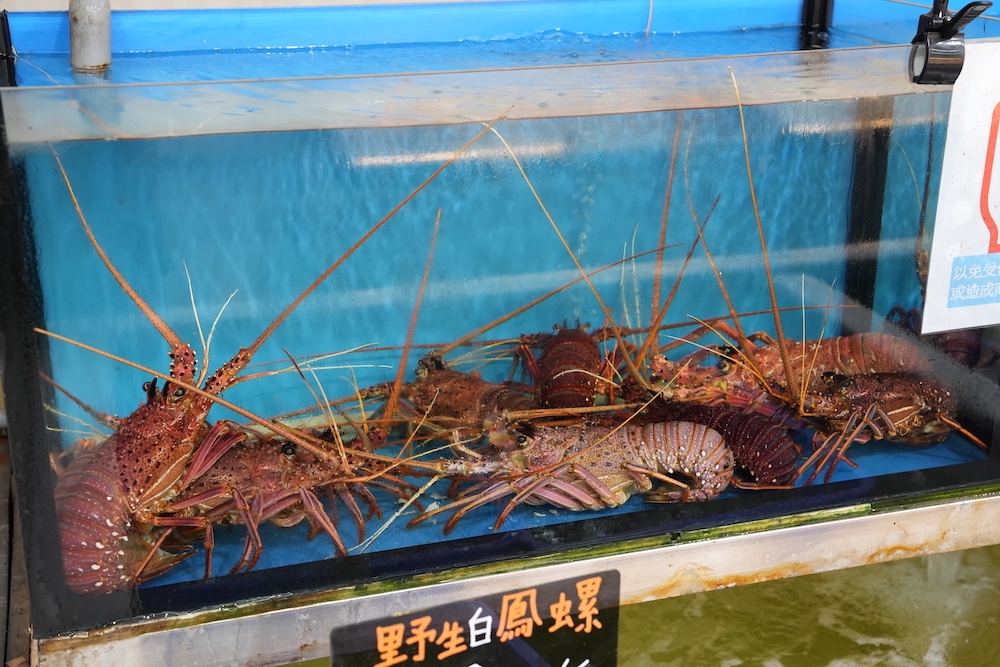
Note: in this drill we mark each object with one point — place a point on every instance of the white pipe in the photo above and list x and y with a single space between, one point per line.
90 35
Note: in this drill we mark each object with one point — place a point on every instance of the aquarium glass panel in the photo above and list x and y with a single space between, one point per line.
423 322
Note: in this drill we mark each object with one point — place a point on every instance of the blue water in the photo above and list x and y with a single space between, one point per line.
203 45
262 215
547 48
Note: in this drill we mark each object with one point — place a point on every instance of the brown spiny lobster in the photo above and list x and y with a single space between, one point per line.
754 379
590 465
786 378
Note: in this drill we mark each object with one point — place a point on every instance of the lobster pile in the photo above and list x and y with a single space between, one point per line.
578 435
692 427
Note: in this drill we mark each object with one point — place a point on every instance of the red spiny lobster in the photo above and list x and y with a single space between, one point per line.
265 478
753 374
139 468
907 407
786 376
448 398
591 465
143 461
568 369
808 361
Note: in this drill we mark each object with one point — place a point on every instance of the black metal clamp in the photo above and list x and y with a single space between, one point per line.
939 47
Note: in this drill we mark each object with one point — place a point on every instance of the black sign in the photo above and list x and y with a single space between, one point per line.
568 623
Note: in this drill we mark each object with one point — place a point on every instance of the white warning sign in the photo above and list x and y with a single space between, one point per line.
963 282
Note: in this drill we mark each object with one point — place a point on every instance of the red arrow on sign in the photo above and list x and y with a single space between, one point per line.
984 195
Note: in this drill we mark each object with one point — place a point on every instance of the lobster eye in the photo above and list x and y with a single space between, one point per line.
522 441
288 449
179 391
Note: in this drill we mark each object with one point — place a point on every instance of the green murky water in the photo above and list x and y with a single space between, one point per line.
938 610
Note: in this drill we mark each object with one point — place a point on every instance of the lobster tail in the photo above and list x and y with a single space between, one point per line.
94 526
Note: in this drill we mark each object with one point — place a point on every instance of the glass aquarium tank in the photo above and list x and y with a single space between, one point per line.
306 338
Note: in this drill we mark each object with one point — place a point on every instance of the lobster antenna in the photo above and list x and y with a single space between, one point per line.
802 344
323 405
745 344
206 343
629 362
921 254
778 329
103 417
266 423
464 340
397 384
742 339
378 225
654 325
173 340
664 219
312 360
314 445
361 548
87 429
623 281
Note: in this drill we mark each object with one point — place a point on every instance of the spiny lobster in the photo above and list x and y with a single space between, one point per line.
591 465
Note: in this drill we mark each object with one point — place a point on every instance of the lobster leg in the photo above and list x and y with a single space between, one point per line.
834 447
599 487
395 486
555 493
172 522
346 497
234 500
494 493
311 508
219 440
465 505
253 545
642 474
549 489
154 565
315 509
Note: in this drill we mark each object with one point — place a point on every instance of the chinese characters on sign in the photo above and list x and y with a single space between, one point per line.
975 280
571 623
